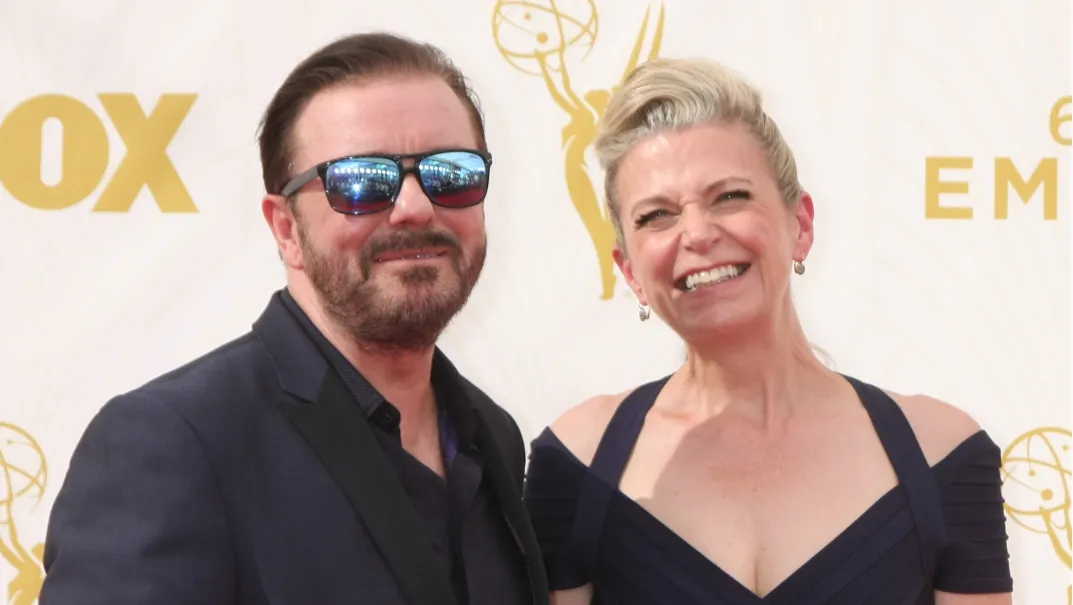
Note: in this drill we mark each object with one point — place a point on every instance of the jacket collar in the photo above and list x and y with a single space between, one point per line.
299 365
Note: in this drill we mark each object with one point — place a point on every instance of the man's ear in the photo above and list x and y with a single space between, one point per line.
282 220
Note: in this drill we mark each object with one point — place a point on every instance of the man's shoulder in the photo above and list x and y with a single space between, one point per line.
236 369
443 369
485 405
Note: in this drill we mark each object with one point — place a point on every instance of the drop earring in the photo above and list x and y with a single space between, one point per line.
799 267
643 312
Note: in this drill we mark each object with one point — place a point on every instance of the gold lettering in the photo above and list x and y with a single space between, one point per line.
84 152
934 187
1045 175
1058 118
147 162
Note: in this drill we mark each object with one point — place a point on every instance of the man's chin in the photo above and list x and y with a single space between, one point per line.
407 286
410 323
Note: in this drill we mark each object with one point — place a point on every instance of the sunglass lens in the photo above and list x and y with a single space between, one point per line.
455 179
361 185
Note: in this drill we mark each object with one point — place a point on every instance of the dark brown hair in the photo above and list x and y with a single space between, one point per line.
354 58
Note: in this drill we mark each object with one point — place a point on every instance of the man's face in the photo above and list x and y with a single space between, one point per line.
393 279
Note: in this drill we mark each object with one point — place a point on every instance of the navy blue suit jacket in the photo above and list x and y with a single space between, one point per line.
234 480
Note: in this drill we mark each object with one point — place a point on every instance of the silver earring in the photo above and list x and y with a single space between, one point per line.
643 312
799 267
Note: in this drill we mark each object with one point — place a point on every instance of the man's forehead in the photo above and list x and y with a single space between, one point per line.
388 115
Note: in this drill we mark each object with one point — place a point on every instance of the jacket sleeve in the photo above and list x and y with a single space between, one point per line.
139 518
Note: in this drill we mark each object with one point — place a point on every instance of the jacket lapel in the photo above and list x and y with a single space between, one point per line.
342 439
322 409
319 405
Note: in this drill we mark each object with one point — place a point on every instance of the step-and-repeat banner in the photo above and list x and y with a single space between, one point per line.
932 135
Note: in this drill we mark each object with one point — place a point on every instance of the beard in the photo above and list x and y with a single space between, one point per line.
411 315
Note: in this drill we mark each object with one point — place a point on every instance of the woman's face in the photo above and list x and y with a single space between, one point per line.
709 242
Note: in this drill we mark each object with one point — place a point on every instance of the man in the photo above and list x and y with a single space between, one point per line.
333 455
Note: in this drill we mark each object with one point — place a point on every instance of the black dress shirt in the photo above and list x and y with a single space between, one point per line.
468 533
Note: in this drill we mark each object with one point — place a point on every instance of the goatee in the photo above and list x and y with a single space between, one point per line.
427 298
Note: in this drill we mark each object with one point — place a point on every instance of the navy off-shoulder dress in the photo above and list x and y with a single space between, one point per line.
941 528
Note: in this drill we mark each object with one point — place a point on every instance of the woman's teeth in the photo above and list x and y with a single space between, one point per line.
698 280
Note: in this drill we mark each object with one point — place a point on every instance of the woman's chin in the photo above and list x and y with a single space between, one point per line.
716 324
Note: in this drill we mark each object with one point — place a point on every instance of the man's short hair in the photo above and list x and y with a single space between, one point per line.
355 58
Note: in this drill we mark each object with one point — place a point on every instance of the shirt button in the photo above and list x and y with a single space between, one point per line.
386 417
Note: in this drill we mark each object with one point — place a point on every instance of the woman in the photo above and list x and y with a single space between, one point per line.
753 474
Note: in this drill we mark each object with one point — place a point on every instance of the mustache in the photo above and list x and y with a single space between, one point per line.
408 240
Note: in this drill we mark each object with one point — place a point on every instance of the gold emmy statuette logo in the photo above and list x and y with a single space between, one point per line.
1036 481
541 38
24 477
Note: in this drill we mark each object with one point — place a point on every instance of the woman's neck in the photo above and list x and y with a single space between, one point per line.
759 375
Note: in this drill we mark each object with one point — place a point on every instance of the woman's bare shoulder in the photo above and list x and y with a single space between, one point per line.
940 427
581 427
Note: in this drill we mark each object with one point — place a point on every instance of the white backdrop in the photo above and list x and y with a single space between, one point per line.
872 95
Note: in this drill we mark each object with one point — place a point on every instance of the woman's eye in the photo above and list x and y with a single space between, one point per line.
648 217
737 194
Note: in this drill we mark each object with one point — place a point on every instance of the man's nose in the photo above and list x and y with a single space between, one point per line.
412 206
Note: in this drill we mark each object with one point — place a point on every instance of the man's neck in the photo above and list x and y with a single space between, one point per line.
402 377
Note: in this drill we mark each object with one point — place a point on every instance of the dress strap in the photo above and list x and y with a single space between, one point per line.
608 464
911 466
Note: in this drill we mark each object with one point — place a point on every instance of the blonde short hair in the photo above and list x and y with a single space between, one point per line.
675 94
